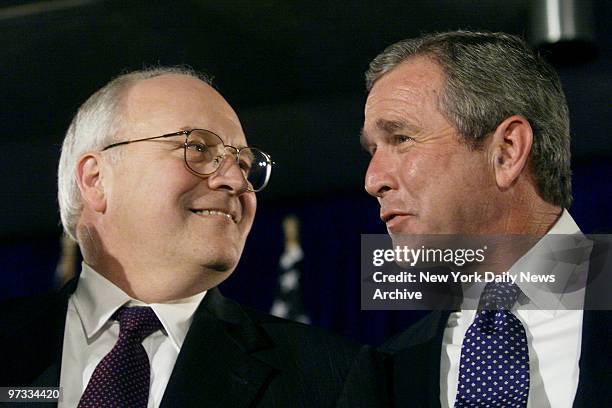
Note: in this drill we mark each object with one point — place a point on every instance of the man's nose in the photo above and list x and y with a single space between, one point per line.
228 176
379 177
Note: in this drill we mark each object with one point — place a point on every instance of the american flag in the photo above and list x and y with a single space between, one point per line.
288 303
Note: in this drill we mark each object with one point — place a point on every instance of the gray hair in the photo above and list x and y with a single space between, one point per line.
489 77
96 125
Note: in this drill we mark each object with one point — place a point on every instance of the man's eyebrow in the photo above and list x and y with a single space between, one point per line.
389 127
393 126
240 146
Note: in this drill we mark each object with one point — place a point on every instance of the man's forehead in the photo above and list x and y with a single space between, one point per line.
171 87
415 68
398 110
413 78
403 95
174 102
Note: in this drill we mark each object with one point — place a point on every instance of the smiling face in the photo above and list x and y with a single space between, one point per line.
159 216
426 180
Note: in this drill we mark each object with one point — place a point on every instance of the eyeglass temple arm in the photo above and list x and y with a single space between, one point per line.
181 132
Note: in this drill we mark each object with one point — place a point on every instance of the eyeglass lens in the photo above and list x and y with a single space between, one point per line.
204 153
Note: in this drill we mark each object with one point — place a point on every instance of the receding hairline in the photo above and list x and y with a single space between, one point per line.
168 80
173 75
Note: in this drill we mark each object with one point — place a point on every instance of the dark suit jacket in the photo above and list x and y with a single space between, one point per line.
232 356
414 366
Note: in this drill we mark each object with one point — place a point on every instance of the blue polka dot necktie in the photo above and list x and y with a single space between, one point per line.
122 378
494 366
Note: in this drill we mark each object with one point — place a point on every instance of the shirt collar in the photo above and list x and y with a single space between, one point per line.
564 225
540 259
96 299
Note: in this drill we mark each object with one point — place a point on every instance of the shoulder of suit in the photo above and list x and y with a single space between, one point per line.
277 327
421 331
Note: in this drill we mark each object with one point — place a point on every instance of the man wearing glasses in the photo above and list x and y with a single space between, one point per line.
157 185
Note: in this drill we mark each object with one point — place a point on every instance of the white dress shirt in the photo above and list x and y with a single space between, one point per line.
554 336
90 334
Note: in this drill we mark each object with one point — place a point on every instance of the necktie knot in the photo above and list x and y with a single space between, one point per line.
137 322
499 296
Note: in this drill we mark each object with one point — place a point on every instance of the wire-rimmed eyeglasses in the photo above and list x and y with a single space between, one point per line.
204 151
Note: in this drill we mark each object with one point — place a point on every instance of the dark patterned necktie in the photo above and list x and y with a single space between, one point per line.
494 366
122 378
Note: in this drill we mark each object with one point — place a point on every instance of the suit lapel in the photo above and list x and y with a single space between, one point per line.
416 362
215 366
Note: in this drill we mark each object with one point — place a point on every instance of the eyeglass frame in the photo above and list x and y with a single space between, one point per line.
187 132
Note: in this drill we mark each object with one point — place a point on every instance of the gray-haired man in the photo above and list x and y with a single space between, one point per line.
469 134
157 185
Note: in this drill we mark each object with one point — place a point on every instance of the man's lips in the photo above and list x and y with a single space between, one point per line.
387 216
216 212
396 220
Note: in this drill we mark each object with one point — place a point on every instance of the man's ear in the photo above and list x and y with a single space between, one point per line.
510 149
89 180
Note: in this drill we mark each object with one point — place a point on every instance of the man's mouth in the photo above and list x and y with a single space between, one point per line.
396 221
214 212
388 216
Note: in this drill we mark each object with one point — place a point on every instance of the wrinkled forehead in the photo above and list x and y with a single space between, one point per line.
407 94
418 78
169 103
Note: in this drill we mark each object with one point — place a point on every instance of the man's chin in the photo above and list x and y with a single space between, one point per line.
410 239
219 253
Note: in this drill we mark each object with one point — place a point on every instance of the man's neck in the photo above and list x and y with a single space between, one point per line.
529 216
155 284
521 228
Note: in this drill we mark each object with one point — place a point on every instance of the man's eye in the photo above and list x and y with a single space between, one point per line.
399 139
197 147
244 166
